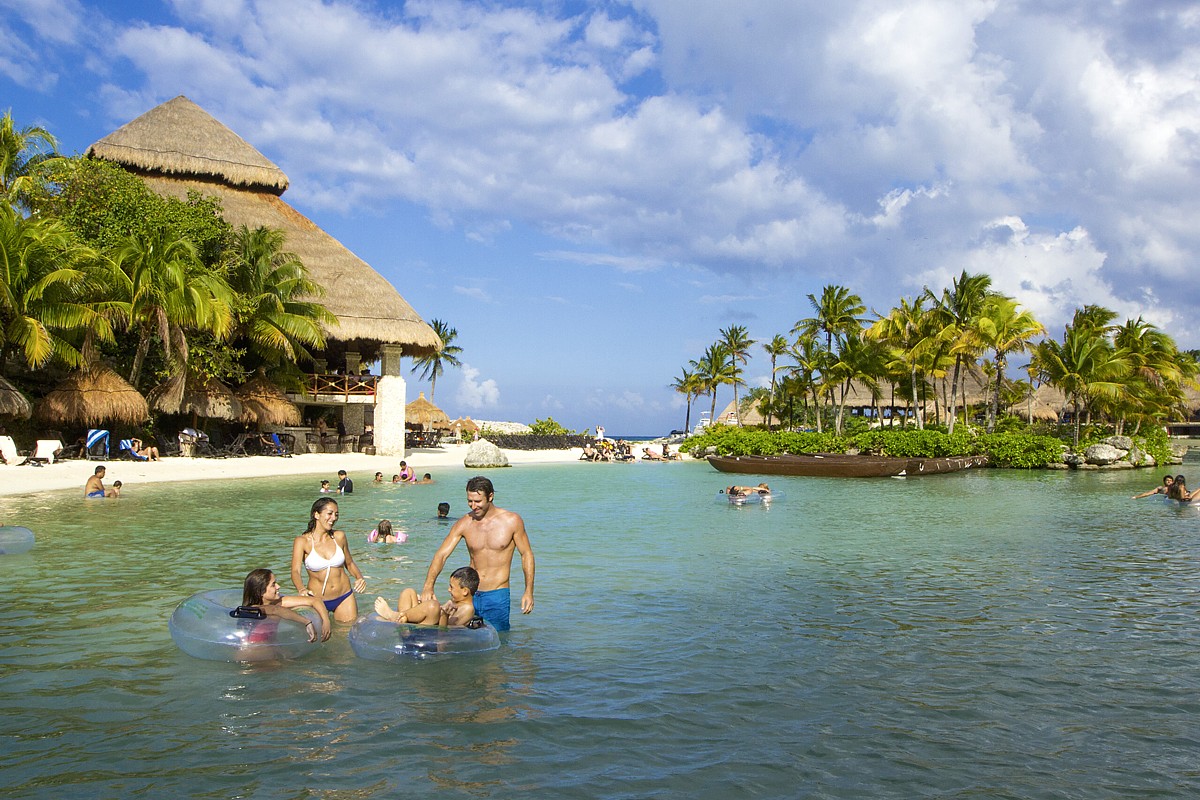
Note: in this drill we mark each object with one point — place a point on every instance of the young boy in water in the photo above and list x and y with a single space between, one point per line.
455 612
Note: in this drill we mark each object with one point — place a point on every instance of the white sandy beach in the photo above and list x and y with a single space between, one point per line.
361 468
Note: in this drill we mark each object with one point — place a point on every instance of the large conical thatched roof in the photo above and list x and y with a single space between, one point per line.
426 414
367 307
96 398
12 402
181 139
265 403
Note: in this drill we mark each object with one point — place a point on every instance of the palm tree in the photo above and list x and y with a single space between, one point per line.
48 291
811 361
1159 372
778 346
21 151
168 290
688 384
836 314
909 330
713 370
1086 367
1004 330
960 307
860 359
736 342
434 364
269 284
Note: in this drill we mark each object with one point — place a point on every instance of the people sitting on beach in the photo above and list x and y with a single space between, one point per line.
115 491
383 534
455 612
147 451
746 491
589 453
378 477
95 484
1167 481
443 511
261 591
325 487
650 455
345 483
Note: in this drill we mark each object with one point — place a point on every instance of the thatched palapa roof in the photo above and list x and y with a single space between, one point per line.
180 138
179 146
426 414
96 397
12 402
265 403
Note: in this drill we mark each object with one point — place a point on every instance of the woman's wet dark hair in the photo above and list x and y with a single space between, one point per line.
255 586
316 507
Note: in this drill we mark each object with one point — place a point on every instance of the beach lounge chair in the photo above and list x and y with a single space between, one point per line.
8 450
48 450
277 447
196 443
237 447
126 449
97 444
168 445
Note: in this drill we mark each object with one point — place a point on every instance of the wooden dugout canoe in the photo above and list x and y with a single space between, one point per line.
837 465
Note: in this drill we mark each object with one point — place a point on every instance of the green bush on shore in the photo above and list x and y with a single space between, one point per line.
1013 449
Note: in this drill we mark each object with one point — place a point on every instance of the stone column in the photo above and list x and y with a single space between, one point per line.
353 359
390 399
354 417
389 359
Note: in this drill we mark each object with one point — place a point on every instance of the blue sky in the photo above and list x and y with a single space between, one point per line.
589 192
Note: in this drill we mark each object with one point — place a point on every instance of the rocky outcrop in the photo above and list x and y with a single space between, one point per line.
482 454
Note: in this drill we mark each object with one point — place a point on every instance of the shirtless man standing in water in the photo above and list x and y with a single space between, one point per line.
492 534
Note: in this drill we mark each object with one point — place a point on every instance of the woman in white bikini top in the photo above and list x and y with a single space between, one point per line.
327 571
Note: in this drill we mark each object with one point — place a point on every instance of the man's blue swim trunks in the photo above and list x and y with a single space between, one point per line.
494 606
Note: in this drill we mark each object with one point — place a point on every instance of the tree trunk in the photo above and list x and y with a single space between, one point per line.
139 359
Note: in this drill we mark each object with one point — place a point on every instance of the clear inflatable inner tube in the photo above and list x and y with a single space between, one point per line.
376 639
14 540
748 499
202 628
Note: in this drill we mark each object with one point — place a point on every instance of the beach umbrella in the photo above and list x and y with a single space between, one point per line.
12 402
264 403
426 414
93 397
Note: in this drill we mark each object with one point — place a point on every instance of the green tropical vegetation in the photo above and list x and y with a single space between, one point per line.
944 354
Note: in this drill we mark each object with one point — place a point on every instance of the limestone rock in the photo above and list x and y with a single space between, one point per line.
1120 442
1103 454
482 454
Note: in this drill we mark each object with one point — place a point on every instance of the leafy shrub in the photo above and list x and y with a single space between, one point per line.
1021 450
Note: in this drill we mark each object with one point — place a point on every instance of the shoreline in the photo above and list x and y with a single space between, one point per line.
73 474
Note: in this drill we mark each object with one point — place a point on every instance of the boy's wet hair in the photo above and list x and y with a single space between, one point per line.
467 578
444 507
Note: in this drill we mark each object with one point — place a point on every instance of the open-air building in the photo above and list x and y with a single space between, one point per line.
178 147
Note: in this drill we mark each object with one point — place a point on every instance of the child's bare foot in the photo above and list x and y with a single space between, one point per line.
384 610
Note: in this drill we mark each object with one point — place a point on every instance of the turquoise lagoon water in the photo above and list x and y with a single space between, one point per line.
988 634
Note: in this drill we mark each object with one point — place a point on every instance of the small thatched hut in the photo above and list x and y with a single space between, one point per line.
424 413
263 403
97 398
12 402
178 147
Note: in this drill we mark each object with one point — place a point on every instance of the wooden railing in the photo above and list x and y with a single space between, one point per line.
348 385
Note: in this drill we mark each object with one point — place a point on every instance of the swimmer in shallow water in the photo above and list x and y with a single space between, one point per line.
746 491
261 590
1167 482
325 553
95 484
384 534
